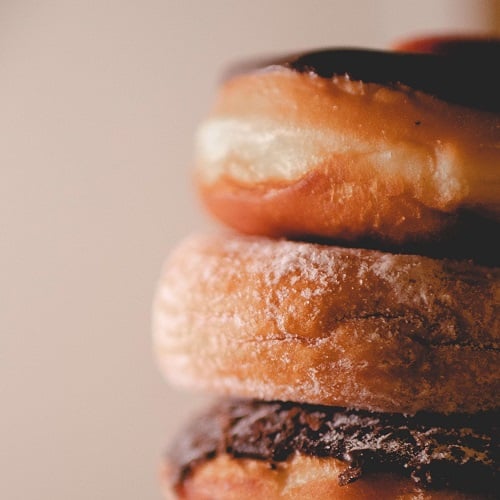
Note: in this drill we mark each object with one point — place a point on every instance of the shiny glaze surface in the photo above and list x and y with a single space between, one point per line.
462 72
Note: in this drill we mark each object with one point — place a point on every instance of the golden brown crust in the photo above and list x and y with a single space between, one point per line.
249 316
293 154
302 477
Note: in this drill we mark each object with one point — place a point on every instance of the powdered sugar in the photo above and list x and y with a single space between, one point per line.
280 319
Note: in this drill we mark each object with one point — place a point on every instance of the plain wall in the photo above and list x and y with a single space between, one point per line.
99 101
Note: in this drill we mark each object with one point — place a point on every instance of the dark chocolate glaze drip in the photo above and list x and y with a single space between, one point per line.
465 73
454 451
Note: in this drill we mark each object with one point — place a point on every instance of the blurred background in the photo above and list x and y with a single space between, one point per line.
99 101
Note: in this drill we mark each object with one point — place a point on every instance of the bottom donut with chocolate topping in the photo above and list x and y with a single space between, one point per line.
239 449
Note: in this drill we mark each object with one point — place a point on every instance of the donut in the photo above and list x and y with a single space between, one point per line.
476 45
357 147
252 449
264 318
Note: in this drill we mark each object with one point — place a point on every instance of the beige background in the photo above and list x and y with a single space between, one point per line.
98 104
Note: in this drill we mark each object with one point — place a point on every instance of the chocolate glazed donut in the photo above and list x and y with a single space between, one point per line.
389 150
449 457
432 66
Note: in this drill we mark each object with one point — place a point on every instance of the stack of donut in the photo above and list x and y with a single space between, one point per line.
349 322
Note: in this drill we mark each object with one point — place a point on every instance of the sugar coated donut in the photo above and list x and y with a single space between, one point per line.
276 319
356 145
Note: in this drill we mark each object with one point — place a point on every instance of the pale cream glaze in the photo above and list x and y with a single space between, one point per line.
273 319
287 153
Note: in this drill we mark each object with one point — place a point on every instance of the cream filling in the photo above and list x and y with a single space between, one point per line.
253 151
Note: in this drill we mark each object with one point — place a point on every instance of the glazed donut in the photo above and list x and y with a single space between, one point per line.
275 319
245 450
355 146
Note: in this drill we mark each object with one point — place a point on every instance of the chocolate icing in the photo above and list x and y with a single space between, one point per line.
435 451
463 73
